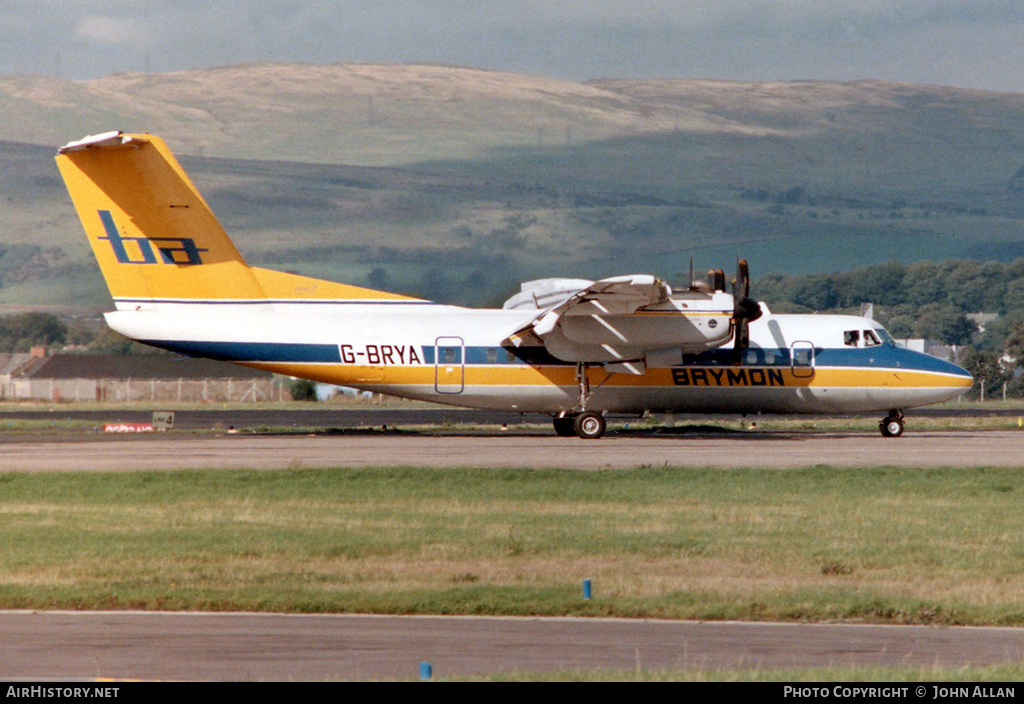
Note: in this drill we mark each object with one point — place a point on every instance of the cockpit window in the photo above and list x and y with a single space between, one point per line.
851 338
884 334
871 339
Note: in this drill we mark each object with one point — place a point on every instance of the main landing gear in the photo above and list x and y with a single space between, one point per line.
589 425
892 425
585 424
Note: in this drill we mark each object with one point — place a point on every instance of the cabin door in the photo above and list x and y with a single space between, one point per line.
801 355
449 365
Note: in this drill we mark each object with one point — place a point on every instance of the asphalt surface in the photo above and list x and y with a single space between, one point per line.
203 646
511 448
347 418
325 418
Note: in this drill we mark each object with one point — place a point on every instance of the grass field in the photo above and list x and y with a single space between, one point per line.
870 545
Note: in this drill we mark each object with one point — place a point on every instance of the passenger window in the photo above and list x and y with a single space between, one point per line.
449 354
871 339
769 357
750 356
492 355
851 338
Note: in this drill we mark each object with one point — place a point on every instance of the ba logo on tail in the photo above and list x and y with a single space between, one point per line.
179 250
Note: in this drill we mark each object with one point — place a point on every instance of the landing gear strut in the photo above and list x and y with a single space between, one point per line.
892 425
589 425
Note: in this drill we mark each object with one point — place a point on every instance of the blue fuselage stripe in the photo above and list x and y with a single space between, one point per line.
882 357
252 351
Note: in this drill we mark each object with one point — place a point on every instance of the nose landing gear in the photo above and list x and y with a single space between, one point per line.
892 425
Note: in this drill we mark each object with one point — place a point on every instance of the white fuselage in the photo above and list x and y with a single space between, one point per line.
460 356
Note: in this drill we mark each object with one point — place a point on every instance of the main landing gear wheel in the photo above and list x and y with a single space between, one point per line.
892 425
589 425
565 426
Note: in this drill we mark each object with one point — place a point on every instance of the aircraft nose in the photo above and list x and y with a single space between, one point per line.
959 379
965 378
944 379
960 376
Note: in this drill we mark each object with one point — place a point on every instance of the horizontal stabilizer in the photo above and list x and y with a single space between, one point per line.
107 139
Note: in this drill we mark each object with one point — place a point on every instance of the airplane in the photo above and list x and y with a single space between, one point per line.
573 348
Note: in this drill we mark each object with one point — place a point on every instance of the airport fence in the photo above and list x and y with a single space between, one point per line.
124 390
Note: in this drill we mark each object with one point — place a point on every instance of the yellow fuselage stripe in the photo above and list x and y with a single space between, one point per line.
561 375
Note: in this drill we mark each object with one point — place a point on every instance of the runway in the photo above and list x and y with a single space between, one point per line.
779 450
201 646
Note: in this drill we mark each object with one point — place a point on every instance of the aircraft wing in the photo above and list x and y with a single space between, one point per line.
619 295
620 319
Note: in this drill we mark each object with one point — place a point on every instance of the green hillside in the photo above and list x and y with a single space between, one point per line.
458 183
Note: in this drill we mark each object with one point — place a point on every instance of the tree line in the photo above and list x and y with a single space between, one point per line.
928 300
922 299
21 332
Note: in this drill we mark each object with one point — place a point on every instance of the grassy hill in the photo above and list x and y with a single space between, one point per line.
457 183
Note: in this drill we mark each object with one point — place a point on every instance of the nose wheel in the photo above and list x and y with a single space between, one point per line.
892 425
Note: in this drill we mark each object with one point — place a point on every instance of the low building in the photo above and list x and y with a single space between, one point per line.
10 366
932 347
152 377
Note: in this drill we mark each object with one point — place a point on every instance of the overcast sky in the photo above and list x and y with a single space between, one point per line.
968 43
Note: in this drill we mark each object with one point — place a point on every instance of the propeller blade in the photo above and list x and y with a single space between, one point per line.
742 334
745 309
741 284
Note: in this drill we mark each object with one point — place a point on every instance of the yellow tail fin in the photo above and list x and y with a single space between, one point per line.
156 238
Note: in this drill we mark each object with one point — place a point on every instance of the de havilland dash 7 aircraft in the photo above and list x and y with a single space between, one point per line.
572 348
